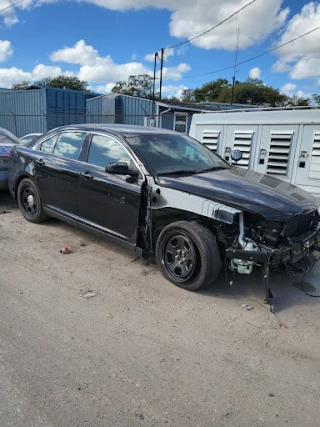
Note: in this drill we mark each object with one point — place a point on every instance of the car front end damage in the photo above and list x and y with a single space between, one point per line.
246 239
285 243
271 244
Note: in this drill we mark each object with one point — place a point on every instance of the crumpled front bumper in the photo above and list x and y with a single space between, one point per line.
299 248
289 254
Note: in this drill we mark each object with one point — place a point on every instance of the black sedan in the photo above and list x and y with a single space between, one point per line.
159 192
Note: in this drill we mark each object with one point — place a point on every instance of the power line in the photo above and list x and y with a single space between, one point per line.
11 5
216 26
254 57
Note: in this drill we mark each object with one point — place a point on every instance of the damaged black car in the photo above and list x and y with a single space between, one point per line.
161 193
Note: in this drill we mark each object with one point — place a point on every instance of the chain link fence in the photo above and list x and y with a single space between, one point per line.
23 124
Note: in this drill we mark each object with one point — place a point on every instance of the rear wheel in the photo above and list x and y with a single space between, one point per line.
29 201
188 255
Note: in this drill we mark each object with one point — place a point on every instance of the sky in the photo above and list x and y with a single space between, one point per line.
104 41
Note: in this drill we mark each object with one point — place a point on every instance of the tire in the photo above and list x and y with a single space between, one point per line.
188 255
29 201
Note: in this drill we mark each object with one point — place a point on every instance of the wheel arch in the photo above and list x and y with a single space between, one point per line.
18 180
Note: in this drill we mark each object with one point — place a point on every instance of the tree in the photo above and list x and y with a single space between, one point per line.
174 98
316 98
64 82
209 92
252 91
298 101
140 86
187 95
20 86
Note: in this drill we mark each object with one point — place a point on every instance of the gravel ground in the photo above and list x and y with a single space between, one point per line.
143 352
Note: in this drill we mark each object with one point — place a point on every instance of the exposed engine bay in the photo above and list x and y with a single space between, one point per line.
286 243
278 245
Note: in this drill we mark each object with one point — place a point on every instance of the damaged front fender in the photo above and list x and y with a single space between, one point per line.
163 197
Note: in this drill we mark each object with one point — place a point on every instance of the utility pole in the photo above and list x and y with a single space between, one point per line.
161 71
154 81
235 70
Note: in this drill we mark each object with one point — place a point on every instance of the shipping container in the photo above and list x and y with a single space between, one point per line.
39 109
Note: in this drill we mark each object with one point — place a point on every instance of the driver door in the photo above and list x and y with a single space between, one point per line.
107 201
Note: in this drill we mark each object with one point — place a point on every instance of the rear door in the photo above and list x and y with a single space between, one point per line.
109 202
57 167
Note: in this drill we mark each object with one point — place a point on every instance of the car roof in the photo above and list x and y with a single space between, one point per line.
125 130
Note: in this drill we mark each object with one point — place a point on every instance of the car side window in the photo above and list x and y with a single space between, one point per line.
104 150
69 144
48 144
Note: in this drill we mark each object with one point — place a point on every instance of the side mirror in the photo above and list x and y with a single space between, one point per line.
121 169
236 155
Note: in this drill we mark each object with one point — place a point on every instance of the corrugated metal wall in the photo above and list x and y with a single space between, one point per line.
133 109
101 109
39 110
23 112
122 109
94 110
66 107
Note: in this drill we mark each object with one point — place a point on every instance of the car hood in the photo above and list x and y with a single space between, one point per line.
270 197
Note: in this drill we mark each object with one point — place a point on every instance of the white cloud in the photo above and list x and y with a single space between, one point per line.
10 76
10 15
302 94
9 21
149 57
288 89
190 17
175 73
302 57
175 91
80 53
97 69
43 71
94 69
105 88
5 50
255 73
105 70
167 53
181 50
307 66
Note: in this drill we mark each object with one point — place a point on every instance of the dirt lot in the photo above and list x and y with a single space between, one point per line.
143 352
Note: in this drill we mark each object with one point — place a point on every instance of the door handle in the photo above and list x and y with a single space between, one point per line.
86 175
40 162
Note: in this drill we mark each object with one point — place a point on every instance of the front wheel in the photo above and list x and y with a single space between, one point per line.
188 255
29 201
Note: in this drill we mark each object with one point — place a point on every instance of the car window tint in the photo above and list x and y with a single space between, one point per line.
69 144
48 144
104 150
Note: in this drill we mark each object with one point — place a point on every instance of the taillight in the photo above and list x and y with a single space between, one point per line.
9 154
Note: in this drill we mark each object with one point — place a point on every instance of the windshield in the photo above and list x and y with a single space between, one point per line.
169 154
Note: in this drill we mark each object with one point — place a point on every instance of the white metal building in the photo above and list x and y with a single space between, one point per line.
283 143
